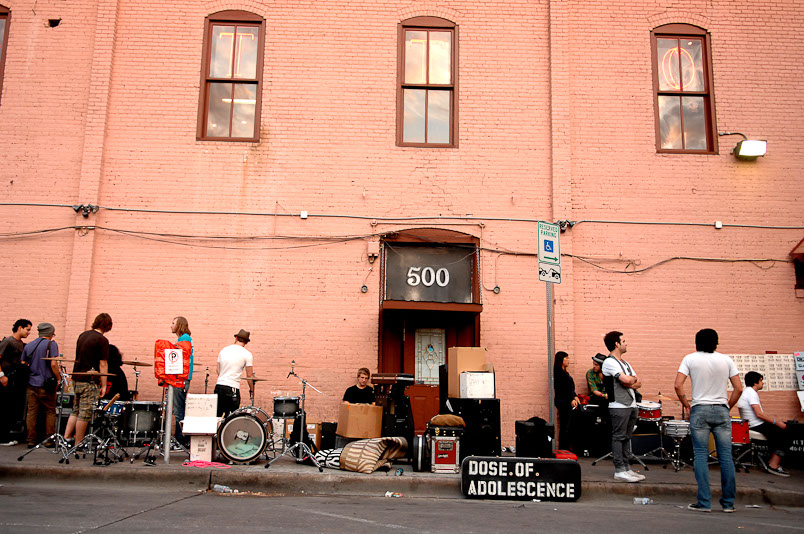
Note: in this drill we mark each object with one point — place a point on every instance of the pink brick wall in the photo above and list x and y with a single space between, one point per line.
89 116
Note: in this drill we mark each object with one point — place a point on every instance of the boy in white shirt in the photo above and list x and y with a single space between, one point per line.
776 431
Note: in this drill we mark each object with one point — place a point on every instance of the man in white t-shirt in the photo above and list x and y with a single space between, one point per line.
621 381
775 431
710 373
231 362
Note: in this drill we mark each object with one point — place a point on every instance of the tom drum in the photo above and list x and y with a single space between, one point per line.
286 407
739 431
244 434
141 420
649 411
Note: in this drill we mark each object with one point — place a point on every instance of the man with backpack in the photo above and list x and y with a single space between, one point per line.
43 381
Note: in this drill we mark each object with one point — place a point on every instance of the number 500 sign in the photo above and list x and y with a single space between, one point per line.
428 276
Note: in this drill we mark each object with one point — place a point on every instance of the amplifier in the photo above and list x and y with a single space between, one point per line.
444 455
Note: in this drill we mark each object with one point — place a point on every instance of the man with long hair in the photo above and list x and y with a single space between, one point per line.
181 328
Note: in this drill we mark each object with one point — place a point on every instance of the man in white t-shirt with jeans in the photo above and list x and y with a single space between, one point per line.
775 431
231 362
621 380
710 373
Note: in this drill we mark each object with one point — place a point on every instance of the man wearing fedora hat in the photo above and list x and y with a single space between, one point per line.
231 362
594 380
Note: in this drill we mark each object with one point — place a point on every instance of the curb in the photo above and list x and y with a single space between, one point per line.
279 482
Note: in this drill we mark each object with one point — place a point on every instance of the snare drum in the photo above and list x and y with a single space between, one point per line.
739 431
244 434
286 407
116 407
649 411
676 429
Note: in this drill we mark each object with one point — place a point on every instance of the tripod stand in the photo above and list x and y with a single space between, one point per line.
300 448
157 445
60 445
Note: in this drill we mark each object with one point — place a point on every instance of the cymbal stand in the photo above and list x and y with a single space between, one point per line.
157 445
206 381
632 457
60 445
136 382
300 448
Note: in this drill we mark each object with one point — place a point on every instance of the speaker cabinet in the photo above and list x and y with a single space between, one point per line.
482 418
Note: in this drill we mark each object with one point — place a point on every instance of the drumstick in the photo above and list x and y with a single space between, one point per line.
112 401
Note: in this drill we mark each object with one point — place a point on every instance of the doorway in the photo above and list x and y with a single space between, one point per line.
416 342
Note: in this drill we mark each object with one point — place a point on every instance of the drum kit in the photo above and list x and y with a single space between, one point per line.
651 412
243 436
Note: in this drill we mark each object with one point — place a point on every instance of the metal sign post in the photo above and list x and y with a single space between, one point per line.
550 272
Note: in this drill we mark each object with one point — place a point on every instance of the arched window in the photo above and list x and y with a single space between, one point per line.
427 99
231 77
682 86
5 18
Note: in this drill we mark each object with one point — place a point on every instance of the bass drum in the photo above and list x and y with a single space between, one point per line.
421 460
244 434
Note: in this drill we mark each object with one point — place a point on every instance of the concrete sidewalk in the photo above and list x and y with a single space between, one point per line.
286 477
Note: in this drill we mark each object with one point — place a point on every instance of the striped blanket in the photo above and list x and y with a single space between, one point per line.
368 455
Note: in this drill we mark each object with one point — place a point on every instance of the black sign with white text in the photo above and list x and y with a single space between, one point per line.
429 274
521 479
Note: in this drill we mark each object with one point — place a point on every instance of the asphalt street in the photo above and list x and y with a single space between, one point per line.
46 506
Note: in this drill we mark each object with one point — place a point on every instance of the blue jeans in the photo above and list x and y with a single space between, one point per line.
714 418
179 401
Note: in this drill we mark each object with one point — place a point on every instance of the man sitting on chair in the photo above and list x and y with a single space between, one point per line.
360 393
776 431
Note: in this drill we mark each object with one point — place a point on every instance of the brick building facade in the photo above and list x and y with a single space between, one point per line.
554 116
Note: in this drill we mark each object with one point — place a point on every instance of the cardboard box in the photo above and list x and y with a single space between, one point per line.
360 421
460 359
201 448
313 430
477 384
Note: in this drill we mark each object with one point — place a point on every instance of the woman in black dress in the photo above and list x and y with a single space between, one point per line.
565 398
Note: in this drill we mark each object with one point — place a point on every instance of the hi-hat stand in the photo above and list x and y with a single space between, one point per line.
60 445
300 449
109 448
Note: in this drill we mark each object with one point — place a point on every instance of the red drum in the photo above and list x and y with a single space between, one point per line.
649 411
739 431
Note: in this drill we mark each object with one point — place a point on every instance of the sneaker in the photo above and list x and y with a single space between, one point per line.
9 443
176 448
698 508
625 476
728 510
635 474
779 472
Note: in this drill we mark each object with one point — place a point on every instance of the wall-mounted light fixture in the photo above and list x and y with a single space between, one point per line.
747 149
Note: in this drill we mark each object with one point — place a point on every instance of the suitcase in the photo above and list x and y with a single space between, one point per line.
445 454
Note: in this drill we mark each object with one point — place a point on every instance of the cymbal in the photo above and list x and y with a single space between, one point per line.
89 374
661 397
60 359
136 363
253 379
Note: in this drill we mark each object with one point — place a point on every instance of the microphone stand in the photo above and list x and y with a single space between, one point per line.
300 448
206 381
